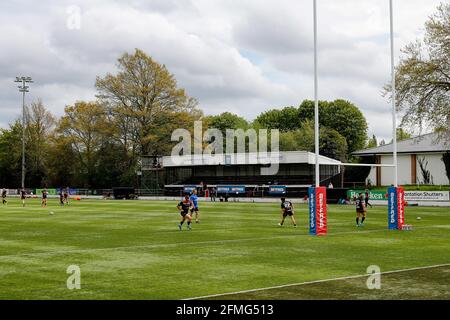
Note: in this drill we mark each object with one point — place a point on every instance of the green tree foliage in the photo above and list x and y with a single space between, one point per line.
98 144
140 97
224 121
423 77
86 126
339 115
11 155
331 143
39 126
286 119
372 143
402 134
342 116
63 165
346 118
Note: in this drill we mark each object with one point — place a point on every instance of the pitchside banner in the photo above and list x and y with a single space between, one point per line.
317 211
189 189
277 190
396 208
231 189
51 192
409 195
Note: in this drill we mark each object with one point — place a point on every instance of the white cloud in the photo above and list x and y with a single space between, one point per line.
241 56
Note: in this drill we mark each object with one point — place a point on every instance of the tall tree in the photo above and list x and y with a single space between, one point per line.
346 118
64 168
87 128
39 126
11 155
423 77
139 97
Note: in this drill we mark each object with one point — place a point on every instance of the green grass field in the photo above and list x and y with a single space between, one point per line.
133 250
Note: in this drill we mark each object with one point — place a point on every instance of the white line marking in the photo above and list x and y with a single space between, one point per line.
315 281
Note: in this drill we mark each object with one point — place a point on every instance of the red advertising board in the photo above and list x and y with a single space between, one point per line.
321 211
401 207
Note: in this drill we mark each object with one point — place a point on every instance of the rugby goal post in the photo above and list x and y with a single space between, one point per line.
317 198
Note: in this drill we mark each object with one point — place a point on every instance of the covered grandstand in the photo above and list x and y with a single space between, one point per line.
243 170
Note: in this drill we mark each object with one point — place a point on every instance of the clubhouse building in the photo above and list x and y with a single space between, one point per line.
420 161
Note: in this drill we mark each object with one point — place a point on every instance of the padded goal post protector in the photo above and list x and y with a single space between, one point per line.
317 210
396 208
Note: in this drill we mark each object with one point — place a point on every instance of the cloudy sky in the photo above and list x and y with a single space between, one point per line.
243 56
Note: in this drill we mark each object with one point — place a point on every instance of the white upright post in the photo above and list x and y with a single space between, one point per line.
394 113
316 99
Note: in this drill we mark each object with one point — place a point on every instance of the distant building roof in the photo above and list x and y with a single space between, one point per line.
251 158
421 144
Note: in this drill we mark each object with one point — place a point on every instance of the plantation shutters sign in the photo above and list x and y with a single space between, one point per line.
427 195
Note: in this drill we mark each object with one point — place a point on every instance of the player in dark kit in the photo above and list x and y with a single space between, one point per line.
61 197
23 196
66 195
360 210
366 199
184 207
44 198
4 201
287 209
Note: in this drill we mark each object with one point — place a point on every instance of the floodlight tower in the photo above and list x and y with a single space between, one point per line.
23 88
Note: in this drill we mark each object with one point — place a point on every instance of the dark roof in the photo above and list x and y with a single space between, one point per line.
425 143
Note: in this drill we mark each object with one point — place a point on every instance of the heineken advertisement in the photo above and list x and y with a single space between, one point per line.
373 195
409 195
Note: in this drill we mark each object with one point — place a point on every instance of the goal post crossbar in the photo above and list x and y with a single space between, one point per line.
367 164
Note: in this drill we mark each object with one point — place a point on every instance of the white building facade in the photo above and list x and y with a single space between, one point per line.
420 161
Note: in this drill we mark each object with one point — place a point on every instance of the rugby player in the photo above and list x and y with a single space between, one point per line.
44 198
23 196
184 207
66 195
360 210
366 199
194 206
4 201
287 209
61 197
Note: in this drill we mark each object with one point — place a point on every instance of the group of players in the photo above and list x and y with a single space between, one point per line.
63 197
189 205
